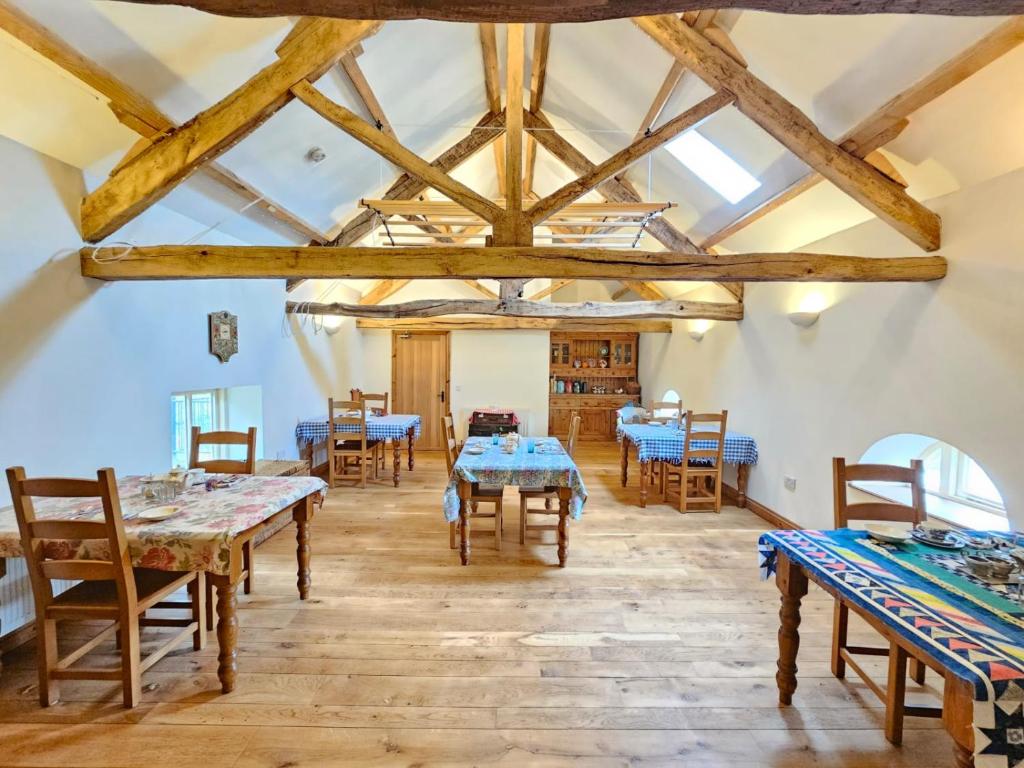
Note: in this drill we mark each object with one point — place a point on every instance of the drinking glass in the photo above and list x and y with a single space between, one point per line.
494 438
530 445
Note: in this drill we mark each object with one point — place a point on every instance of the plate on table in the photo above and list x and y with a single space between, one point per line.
890 534
158 513
475 450
944 540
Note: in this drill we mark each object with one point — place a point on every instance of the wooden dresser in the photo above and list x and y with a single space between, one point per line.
619 351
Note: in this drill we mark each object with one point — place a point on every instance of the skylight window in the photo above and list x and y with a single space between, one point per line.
715 168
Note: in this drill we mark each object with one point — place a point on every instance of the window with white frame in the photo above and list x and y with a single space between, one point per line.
958 490
202 408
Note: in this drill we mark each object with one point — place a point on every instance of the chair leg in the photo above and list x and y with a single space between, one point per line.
49 689
210 623
523 506
894 694
330 468
197 592
684 488
497 525
718 492
917 670
131 663
248 563
453 530
840 621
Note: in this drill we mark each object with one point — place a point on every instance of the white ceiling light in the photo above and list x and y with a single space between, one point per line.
715 168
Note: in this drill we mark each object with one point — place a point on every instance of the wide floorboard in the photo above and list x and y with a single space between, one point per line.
654 647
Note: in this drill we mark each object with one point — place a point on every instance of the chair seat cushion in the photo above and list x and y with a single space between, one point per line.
150 586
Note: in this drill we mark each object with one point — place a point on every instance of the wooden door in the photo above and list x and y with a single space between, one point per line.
419 382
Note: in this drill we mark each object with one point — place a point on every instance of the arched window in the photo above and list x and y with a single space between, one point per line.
670 396
958 489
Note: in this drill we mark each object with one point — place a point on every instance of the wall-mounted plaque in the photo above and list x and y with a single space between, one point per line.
223 335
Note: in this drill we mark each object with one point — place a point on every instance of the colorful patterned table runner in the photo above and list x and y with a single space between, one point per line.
658 443
549 465
394 426
197 538
974 630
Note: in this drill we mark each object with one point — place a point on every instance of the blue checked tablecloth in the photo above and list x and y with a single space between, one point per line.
394 426
661 443
521 469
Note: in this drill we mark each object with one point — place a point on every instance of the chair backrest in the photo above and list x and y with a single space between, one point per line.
574 434
450 452
346 413
45 542
376 400
676 415
449 426
246 466
716 434
887 511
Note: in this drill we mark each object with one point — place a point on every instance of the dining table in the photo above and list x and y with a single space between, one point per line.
925 602
312 433
206 533
653 442
483 461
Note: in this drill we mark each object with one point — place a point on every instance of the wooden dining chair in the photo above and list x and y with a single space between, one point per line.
478 495
878 511
370 398
350 454
108 588
246 466
673 418
549 492
701 465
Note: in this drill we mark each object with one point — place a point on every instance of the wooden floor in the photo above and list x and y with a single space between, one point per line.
654 647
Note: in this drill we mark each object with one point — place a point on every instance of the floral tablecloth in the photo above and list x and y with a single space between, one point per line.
550 465
197 538
971 631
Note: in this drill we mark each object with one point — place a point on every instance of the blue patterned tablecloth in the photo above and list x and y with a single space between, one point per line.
394 426
663 443
967 631
521 469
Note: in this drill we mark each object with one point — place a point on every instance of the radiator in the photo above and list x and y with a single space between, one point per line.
16 605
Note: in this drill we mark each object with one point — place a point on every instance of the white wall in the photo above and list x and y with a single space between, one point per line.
942 359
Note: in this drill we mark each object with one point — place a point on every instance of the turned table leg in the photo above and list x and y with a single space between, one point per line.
958 717
302 552
412 450
464 492
564 494
396 449
742 476
644 469
792 583
227 632
624 461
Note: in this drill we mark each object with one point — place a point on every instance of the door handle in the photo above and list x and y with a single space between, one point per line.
441 395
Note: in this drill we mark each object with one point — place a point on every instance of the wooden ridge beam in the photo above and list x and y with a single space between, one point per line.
388 148
622 159
796 132
135 110
527 11
629 310
156 171
538 79
888 121
198 262
515 228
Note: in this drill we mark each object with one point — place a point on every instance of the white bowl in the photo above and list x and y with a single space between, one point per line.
890 534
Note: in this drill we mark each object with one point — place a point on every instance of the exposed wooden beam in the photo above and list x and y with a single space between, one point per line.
538 78
556 285
645 290
625 157
197 262
388 148
889 120
480 288
511 232
518 324
614 189
630 310
492 89
511 289
135 110
527 11
354 72
796 132
156 171
382 290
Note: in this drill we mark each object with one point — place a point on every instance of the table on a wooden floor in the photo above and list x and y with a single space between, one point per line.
969 631
207 534
548 466
312 433
655 442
